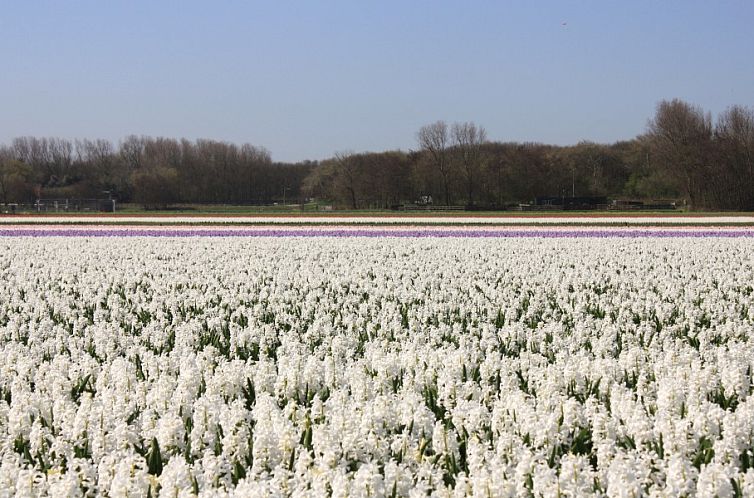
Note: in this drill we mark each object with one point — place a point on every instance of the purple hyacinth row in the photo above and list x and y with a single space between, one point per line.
412 233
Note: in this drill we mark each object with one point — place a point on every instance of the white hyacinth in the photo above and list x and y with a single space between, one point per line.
376 367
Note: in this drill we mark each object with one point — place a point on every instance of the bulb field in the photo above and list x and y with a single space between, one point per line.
381 364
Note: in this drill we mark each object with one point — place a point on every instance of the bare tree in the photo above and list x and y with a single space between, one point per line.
433 139
61 155
468 139
253 159
33 152
734 135
347 175
101 163
132 151
682 137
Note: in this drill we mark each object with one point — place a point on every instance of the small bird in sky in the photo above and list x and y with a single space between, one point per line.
564 23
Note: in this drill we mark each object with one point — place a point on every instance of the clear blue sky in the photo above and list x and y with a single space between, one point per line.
306 79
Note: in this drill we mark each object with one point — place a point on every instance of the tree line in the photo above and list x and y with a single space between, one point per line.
684 155
155 172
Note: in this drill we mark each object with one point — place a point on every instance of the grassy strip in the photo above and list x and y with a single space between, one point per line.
276 211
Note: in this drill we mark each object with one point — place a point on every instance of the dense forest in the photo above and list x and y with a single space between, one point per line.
684 155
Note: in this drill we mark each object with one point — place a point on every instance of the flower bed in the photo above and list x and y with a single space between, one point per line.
404 231
381 366
382 220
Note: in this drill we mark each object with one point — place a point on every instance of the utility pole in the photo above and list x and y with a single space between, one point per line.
284 190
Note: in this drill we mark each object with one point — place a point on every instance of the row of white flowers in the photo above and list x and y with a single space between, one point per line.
376 367
514 219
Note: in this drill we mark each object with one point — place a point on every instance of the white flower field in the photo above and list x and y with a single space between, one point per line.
376 366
